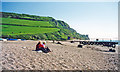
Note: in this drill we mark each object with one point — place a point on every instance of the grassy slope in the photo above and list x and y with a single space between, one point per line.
15 30
24 22
26 26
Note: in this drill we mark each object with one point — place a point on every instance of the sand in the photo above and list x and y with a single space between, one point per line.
18 55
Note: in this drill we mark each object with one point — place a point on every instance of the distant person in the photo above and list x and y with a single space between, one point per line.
38 46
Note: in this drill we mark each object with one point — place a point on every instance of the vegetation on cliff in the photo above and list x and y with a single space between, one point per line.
24 26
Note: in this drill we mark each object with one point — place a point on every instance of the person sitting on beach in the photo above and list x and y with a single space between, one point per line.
42 47
38 46
46 49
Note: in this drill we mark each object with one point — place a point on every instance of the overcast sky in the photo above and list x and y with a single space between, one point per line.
97 19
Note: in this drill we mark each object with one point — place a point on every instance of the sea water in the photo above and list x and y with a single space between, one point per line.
110 41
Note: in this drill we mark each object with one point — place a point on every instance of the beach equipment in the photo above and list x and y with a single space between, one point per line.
13 39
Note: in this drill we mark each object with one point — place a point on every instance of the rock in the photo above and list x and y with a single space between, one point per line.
80 46
59 43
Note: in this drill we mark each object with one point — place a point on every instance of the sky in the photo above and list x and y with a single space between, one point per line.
59 0
96 19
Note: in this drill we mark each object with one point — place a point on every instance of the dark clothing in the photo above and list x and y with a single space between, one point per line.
45 50
37 46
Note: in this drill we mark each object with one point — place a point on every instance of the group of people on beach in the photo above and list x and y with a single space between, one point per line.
42 47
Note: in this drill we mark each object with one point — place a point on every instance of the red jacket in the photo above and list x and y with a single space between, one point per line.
39 46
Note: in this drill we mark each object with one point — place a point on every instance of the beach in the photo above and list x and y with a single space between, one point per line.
20 55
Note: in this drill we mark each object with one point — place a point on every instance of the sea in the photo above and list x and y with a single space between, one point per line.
110 41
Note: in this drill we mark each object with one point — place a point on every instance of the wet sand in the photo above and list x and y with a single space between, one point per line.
18 55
